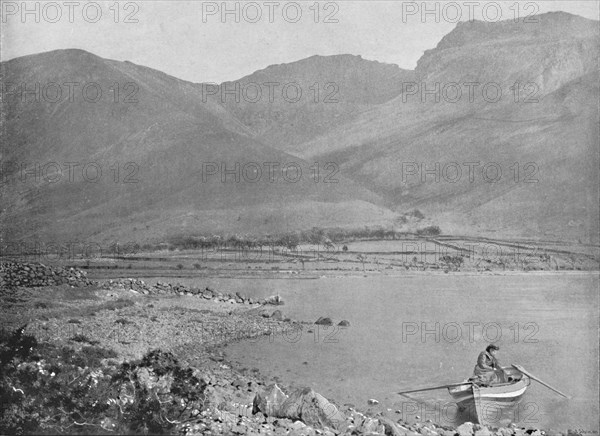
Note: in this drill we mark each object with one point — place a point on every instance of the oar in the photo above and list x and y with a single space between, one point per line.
435 387
531 376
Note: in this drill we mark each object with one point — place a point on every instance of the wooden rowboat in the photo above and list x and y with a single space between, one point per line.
487 405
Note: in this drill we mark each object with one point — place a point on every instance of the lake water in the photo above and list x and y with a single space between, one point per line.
426 330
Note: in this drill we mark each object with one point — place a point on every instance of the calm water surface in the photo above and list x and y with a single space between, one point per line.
417 331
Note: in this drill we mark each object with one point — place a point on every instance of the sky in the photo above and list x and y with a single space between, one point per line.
206 41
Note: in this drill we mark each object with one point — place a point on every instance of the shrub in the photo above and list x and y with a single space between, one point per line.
68 391
429 231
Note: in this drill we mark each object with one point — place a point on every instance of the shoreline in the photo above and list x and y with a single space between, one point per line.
198 330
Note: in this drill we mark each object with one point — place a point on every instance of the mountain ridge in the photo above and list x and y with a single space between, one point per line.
374 129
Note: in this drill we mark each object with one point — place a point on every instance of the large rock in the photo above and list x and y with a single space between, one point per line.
269 401
313 409
274 299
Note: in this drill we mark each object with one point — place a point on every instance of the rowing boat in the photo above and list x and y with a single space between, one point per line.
487 405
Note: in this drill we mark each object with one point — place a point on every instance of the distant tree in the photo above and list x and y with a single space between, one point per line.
291 241
362 259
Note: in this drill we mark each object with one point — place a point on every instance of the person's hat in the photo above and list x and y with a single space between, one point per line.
492 347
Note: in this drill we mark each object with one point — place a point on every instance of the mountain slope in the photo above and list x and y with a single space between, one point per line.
143 151
380 131
552 123
288 104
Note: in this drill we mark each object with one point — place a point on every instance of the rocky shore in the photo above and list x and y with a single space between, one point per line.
121 321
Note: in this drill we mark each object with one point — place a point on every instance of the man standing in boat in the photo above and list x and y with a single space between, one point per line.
488 371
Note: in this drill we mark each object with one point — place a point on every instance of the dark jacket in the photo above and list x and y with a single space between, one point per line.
486 363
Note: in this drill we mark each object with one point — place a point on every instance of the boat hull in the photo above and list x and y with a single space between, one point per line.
492 406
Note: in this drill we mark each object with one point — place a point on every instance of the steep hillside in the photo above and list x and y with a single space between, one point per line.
144 151
547 115
288 104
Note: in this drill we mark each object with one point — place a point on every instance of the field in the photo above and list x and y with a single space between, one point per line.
390 257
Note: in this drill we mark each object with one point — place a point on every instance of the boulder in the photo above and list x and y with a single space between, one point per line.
324 321
274 299
277 315
312 408
344 323
269 401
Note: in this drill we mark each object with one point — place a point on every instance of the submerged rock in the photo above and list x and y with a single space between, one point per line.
324 321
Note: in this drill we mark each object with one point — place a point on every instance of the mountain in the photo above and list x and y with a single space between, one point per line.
288 104
546 121
143 152
518 99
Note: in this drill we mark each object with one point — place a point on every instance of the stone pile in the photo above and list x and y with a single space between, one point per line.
161 288
31 275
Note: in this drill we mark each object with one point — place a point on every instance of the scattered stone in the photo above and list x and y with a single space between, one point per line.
344 323
373 402
162 288
465 429
298 425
